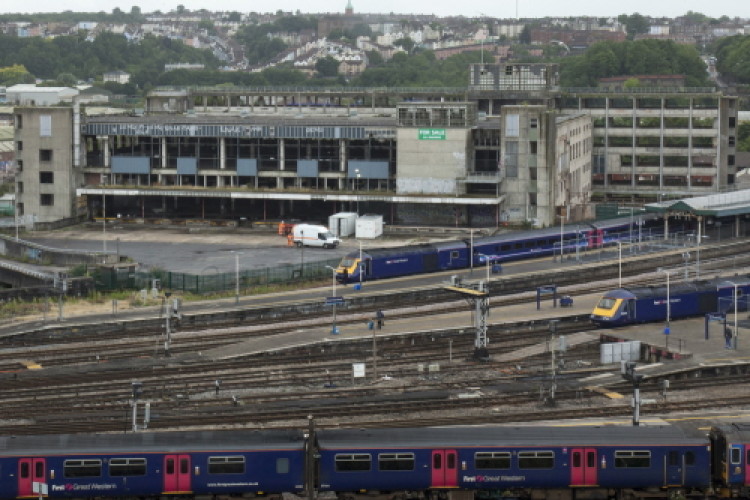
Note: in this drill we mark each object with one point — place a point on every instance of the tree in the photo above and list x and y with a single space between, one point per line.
374 58
67 79
405 43
327 67
525 36
15 74
634 24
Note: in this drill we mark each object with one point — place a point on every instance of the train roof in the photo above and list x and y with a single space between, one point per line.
508 436
393 251
532 234
679 287
734 432
145 442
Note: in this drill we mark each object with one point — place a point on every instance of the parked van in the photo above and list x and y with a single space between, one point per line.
311 235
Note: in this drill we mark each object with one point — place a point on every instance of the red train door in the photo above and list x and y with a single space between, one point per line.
30 470
747 465
583 467
177 474
444 469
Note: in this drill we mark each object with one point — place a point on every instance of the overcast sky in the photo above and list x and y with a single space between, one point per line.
492 8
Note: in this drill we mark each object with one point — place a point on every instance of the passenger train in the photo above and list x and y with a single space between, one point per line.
379 263
602 462
626 306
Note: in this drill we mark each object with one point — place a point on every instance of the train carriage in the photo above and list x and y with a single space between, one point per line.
520 459
530 244
627 306
730 446
151 464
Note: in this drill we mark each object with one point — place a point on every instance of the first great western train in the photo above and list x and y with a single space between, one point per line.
523 462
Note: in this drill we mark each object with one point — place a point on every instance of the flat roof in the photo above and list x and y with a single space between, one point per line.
716 205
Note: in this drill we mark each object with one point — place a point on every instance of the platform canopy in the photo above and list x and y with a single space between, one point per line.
714 205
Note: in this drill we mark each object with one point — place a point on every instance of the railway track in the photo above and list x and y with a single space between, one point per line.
86 380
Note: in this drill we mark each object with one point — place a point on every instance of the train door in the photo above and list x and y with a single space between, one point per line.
583 467
675 469
177 474
30 470
444 469
747 465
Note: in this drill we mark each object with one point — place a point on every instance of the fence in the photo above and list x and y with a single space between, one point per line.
124 278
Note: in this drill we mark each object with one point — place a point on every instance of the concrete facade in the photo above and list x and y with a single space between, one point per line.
46 179
511 147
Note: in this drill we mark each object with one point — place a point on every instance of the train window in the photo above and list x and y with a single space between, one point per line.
504 248
396 461
630 459
736 455
454 254
119 467
689 458
674 458
226 465
282 466
38 469
82 468
518 245
606 303
536 459
353 462
492 460
529 244
25 470
184 466
170 466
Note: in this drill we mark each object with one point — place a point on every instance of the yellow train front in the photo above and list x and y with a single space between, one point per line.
615 308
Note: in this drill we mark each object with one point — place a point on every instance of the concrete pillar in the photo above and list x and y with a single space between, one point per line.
282 155
222 153
105 145
163 147
343 158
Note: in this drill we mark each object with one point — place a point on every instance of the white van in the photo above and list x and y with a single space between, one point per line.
311 235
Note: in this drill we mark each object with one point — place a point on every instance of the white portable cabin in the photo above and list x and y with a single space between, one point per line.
369 226
343 224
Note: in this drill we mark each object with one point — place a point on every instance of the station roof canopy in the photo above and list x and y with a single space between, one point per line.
714 205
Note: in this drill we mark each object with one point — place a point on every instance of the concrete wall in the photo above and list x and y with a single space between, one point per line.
431 166
39 254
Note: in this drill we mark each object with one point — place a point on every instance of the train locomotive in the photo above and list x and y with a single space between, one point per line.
380 263
626 306
594 462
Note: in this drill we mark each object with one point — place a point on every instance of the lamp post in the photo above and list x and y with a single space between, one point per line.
619 264
237 277
104 222
361 264
736 298
356 187
487 260
669 311
333 295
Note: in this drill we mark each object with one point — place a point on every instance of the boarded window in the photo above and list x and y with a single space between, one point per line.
45 125
512 125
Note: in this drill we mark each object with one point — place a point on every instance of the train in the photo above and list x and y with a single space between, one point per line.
521 462
379 263
627 306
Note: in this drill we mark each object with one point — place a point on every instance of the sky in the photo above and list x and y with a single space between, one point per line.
477 8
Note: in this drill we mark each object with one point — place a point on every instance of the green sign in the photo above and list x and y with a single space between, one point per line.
431 134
